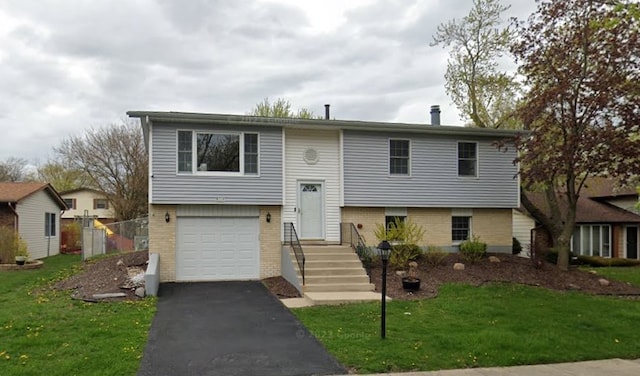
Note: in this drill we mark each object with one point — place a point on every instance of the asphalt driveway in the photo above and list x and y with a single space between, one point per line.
229 328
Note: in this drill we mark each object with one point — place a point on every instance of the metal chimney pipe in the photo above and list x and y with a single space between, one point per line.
327 112
435 115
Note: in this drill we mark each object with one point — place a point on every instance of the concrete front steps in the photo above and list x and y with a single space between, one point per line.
334 275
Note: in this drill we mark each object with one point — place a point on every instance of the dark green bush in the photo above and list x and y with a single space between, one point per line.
368 256
473 249
402 254
551 255
516 247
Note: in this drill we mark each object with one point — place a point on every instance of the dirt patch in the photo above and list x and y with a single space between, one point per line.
511 269
281 288
109 275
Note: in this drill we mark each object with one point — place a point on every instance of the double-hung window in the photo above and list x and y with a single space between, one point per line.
460 228
468 159
399 157
50 224
218 152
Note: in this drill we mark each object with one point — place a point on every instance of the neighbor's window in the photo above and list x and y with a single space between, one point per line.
217 152
467 159
49 224
399 160
100 203
460 228
70 202
592 240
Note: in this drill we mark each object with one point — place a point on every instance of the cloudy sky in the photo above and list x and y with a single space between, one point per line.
66 66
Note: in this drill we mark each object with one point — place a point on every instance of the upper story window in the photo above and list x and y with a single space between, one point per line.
100 203
217 152
467 159
70 202
399 160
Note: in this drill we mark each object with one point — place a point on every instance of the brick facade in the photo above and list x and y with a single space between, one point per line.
270 242
162 239
493 226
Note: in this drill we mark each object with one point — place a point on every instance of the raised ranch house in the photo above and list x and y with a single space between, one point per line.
33 209
86 202
223 188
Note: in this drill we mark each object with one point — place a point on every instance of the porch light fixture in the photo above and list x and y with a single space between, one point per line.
268 217
167 217
385 249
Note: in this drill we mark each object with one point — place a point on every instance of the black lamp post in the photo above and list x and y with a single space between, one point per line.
385 249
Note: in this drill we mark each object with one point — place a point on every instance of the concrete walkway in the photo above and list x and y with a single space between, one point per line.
607 367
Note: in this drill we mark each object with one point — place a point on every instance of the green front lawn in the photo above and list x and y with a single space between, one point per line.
44 332
465 326
629 274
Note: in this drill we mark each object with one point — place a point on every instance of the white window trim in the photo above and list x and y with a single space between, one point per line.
194 154
389 158
477 175
583 227
458 242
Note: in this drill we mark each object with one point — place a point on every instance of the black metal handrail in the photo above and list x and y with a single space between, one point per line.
291 238
350 234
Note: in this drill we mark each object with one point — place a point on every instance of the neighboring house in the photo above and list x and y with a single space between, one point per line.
222 187
87 202
607 221
33 209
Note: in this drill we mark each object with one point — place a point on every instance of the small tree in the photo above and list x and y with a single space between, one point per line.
281 108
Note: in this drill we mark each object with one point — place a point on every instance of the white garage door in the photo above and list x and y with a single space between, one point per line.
217 249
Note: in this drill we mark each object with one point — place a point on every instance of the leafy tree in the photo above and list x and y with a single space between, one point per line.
62 177
281 108
479 90
580 60
115 161
13 169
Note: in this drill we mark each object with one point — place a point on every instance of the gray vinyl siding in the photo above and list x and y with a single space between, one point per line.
169 187
433 180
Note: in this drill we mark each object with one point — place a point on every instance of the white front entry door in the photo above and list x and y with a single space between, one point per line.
311 211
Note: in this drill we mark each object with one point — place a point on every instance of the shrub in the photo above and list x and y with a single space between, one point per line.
434 256
516 247
11 245
597 261
368 256
551 256
473 249
402 254
399 230
71 236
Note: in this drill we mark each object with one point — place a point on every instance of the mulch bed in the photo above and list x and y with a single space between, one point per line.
510 269
281 288
107 275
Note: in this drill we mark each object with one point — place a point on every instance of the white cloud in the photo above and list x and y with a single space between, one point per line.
67 66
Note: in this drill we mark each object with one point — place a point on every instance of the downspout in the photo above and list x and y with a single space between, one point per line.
16 222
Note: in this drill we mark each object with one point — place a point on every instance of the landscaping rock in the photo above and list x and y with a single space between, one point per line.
458 266
109 295
572 286
603 282
120 263
140 292
401 273
494 259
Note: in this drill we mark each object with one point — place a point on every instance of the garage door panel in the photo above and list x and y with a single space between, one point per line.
217 248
